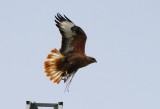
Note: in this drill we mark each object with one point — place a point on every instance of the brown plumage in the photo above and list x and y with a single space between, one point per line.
63 64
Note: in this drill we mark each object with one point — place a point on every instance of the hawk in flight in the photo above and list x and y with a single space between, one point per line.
63 64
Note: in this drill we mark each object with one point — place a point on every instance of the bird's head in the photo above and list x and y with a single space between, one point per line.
91 60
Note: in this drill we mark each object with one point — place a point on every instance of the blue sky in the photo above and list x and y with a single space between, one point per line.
122 35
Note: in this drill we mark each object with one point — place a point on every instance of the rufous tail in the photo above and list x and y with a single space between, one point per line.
50 66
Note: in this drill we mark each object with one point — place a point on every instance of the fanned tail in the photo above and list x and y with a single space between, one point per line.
50 66
54 73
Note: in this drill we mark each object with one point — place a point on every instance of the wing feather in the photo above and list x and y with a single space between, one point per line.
73 37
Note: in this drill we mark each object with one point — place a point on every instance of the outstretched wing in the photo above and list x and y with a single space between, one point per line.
73 37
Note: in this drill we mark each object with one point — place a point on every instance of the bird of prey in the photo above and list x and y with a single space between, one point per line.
63 64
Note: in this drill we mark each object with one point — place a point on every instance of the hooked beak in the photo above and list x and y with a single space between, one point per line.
95 61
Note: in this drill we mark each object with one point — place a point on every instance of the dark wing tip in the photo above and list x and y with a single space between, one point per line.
60 18
67 18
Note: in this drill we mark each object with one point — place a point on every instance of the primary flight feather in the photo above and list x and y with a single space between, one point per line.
63 64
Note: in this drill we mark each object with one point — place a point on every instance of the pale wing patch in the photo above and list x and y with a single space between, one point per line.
66 26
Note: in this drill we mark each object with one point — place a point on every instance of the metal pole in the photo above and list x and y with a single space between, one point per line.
60 105
30 105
